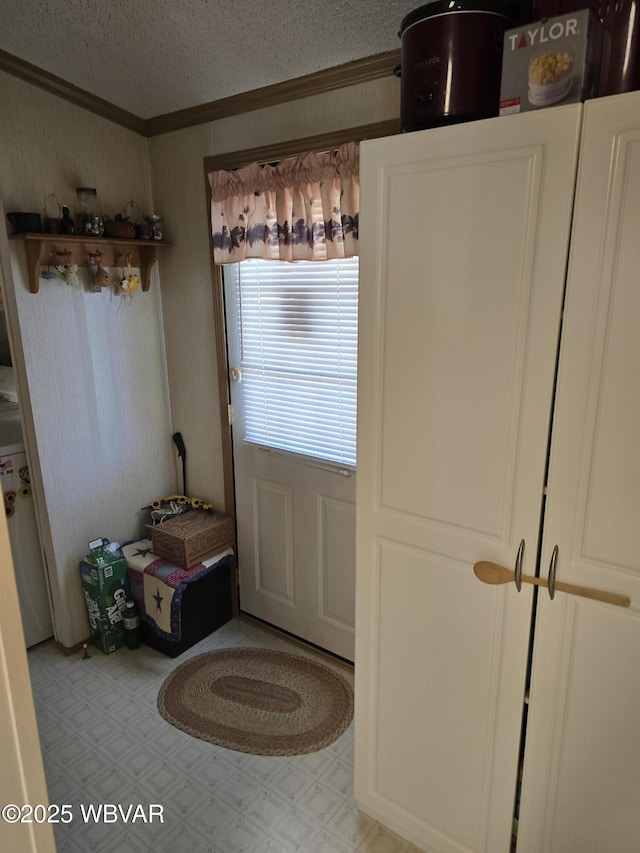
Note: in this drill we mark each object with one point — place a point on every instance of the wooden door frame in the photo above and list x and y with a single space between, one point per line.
236 160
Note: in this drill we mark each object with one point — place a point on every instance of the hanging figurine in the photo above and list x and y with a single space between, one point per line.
129 281
94 287
49 273
102 277
67 271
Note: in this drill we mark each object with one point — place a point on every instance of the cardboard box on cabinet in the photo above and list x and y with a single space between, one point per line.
551 62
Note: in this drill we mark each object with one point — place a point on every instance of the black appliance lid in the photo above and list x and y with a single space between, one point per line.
447 7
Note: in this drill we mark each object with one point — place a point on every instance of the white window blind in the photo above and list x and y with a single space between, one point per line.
298 332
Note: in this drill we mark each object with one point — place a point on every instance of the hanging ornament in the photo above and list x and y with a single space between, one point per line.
129 281
102 277
94 287
49 274
68 271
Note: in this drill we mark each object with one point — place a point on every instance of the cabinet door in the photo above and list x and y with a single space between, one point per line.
581 785
464 235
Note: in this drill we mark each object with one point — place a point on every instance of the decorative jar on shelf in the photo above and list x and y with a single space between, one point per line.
88 213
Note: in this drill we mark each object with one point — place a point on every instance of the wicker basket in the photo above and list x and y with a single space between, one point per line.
620 66
192 537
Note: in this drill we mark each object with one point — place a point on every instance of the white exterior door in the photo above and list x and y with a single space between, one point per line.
581 785
464 236
295 527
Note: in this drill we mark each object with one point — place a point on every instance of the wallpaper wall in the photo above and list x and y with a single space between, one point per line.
91 367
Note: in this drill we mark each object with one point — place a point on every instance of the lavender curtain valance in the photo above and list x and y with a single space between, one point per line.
303 208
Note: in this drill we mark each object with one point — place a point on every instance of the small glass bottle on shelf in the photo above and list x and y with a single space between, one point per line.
89 219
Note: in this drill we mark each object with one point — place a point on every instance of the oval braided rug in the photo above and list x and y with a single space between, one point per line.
257 700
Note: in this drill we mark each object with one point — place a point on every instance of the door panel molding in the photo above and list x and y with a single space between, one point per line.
336 558
273 540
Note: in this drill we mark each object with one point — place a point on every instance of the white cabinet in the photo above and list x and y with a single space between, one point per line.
465 235
581 785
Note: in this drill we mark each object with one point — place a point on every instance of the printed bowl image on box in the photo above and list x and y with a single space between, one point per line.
548 62
550 76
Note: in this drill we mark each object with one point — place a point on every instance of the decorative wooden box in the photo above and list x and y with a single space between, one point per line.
192 537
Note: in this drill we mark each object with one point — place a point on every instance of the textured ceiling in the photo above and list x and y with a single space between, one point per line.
152 57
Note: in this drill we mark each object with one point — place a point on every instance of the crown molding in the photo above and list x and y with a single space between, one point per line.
359 71
349 74
57 86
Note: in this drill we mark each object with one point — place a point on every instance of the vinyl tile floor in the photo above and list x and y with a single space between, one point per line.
104 742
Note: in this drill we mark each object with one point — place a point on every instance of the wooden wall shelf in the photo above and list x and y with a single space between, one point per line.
42 248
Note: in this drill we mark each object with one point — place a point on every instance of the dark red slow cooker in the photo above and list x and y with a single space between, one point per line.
451 61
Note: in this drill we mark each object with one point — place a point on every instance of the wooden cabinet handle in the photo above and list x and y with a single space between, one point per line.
493 573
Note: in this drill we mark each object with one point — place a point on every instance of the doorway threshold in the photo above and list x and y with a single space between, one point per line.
296 641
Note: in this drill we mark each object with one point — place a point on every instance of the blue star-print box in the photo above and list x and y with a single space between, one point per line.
179 606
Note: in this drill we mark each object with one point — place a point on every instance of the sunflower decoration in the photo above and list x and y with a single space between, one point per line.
173 505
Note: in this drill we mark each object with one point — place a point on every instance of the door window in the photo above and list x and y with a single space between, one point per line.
298 334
